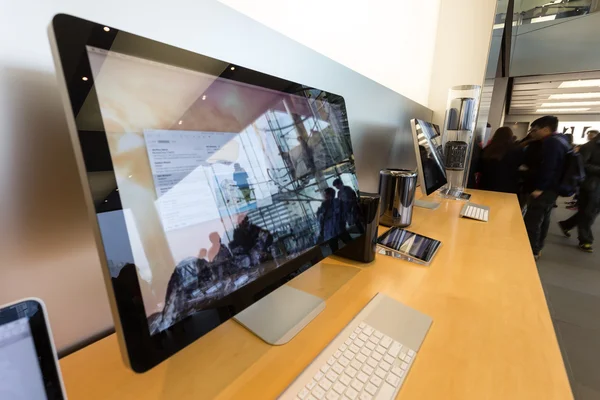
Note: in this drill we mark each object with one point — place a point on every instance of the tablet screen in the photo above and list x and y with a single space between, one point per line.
20 375
412 244
28 369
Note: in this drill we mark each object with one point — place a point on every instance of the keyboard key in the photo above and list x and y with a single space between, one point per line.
402 355
375 380
303 393
371 388
404 366
353 336
378 334
365 396
311 397
365 351
385 366
386 391
397 371
392 380
351 371
325 368
361 358
370 346
337 368
348 342
361 376
376 356
386 341
411 353
394 349
356 364
380 349
408 359
372 362
331 361
338 387
345 380
368 330
363 337
373 339
318 376
349 355
325 384
332 375
354 348
310 385
357 385
367 369
332 396
337 354
318 393
388 359
359 343
362 325
343 348
380 373
351 394
357 330
344 361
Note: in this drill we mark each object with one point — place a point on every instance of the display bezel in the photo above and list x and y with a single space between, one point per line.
70 36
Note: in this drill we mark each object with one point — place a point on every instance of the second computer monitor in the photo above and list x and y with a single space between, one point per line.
429 155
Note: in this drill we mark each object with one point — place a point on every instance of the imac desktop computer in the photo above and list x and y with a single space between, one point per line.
209 186
430 163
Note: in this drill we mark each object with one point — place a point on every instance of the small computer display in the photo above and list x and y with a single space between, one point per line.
225 180
430 158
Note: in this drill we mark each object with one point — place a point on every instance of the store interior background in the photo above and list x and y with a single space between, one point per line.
405 54
546 45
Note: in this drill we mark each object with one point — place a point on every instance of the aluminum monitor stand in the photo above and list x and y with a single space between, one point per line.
281 315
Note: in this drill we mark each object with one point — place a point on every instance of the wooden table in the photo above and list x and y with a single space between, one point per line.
491 338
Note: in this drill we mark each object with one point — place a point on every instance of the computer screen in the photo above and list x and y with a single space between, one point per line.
429 154
220 181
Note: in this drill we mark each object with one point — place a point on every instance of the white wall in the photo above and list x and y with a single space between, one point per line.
461 49
389 41
46 246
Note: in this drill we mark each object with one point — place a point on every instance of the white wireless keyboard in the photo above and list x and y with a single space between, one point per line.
369 359
475 211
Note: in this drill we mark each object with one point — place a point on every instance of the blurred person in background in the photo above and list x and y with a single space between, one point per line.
499 163
545 170
589 195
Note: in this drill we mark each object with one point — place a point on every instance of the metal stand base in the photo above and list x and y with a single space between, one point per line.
281 315
430 205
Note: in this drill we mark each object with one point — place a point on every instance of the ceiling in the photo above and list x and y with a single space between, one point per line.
560 94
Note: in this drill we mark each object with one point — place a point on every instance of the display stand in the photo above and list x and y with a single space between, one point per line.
457 137
430 205
279 316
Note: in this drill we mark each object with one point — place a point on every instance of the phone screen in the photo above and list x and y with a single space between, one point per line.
410 243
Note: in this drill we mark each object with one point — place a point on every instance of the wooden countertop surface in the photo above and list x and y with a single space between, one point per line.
491 338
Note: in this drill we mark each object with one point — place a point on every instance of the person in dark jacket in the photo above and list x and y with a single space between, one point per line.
545 182
589 196
499 163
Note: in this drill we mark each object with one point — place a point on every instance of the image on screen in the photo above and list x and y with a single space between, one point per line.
431 155
410 243
20 373
220 182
